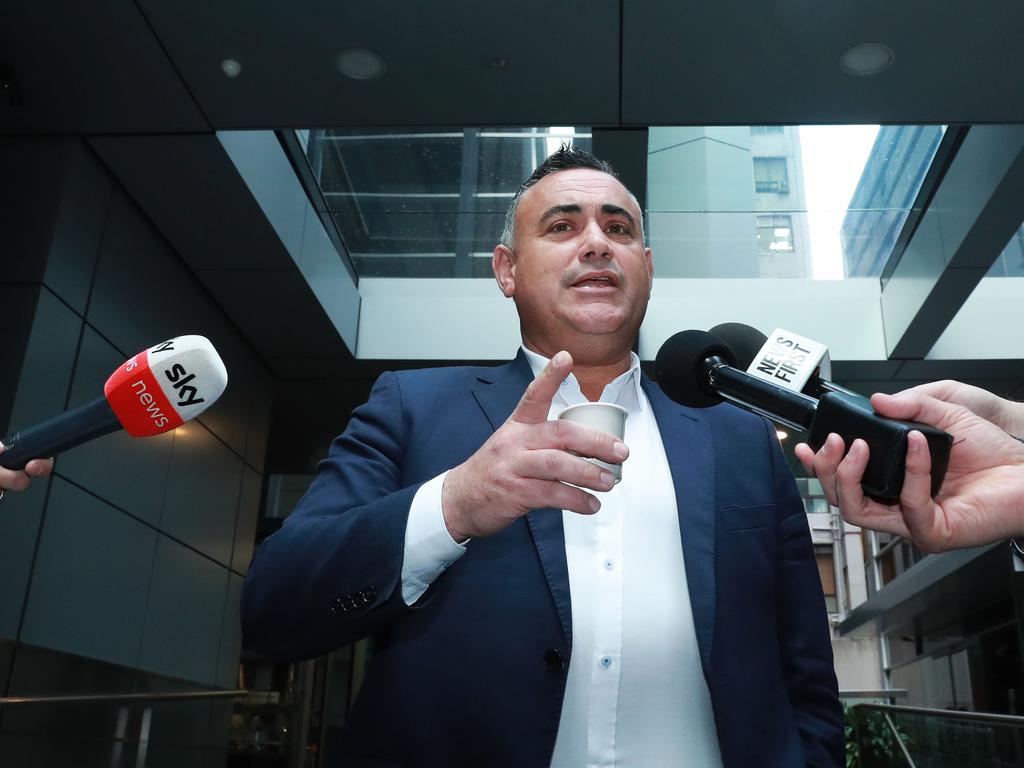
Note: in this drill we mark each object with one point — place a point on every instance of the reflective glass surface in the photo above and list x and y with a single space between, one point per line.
1010 262
823 202
426 203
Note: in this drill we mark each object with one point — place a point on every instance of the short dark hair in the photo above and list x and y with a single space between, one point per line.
565 158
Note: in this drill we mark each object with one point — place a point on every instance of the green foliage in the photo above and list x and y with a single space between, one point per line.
870 743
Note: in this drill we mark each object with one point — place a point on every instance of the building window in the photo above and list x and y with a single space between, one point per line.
775 233
771 175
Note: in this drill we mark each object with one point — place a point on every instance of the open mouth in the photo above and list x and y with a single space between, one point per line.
597 280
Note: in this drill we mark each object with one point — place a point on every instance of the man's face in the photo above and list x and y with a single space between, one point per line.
579 265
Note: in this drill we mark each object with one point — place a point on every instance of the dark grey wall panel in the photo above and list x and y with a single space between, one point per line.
20 518
48 363
79 227
140 479
203 483
185 611
231 637
33 174
262 405
19 303
142 293
89 589
248 517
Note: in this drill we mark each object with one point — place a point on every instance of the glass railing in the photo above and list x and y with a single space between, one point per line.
886 736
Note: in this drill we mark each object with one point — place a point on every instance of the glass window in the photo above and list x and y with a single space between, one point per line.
1010 262
427 203
846 190
771 175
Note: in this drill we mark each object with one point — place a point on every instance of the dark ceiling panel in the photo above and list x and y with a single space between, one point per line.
92 67
735 62
562 61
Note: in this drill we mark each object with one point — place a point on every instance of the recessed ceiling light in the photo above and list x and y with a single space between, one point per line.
867 59
231 67
360 64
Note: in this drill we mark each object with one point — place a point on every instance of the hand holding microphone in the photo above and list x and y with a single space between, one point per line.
152 392
982 498
977 500
699 369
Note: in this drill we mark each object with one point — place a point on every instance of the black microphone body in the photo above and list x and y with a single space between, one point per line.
64 431
836 410
851 416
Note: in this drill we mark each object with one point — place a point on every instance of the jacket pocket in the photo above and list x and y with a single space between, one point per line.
747 518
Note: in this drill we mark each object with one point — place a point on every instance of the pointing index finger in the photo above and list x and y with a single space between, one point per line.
535 404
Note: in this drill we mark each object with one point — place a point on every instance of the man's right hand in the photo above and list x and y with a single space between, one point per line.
526 464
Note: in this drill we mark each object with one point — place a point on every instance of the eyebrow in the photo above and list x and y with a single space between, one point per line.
556 210
615 210
608 209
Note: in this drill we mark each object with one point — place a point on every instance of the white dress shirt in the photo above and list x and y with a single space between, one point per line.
636 694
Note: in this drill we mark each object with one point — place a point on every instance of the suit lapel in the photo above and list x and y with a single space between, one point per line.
498 395
689 448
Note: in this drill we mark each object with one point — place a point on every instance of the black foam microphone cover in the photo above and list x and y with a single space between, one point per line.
681 370
745 341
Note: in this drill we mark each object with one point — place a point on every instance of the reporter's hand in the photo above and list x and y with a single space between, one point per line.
982 496
18 480
526 464
1005 414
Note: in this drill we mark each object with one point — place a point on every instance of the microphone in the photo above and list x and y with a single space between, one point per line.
698 369
751 346
152 392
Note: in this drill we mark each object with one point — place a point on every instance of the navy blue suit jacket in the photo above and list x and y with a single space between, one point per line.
474 673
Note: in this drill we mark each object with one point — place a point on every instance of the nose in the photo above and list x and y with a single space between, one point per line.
595 243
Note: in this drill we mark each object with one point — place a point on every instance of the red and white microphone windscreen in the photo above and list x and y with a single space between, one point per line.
164 386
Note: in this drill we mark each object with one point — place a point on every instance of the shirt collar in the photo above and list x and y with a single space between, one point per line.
624 390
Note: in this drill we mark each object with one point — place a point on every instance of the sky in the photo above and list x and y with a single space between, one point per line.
833 159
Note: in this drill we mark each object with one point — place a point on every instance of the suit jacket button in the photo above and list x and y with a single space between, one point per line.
553 660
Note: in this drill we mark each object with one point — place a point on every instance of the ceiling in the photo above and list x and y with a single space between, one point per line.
115 66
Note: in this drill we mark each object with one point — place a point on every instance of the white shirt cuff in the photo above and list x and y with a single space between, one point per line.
429 548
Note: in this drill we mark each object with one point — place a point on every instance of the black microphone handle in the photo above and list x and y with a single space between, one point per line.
60 433
794 409
851 416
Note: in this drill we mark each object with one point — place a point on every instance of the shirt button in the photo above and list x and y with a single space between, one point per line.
609 564
606 661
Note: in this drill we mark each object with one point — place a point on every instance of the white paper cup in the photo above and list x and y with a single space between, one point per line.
604 416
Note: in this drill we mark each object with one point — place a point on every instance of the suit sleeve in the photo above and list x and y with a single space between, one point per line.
332 573
803 626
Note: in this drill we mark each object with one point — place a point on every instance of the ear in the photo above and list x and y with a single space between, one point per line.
649 258
503 264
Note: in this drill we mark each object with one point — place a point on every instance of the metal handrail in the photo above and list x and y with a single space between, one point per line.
874 693
949 714
119 698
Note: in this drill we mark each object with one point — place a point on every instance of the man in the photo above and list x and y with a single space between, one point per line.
525 612
982 495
